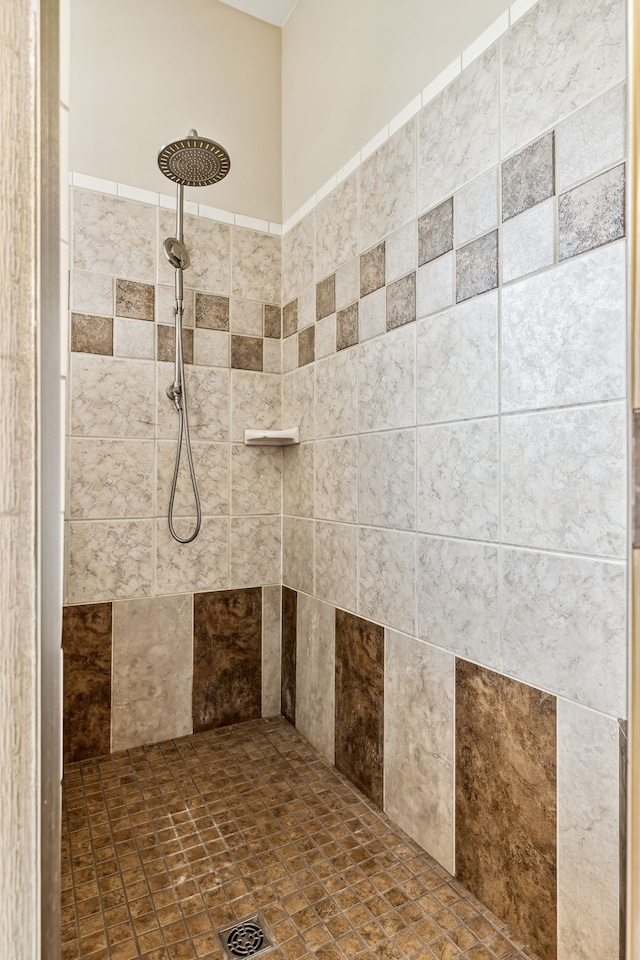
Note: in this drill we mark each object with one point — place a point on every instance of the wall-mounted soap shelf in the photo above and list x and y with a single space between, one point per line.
272 438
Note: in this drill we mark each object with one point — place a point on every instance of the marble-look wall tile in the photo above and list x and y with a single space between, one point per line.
393 164
256 479
307 308
435 232
372 269
255 402
457 362
435 285
91 334
135 300
401 252
211 348
401 302
245 318
211 462
592 139
166 304
306 346
272 357
458 598
359 727
289 651
336 564
208 393
458 479
246 353
298 258
255 548
315 674
152 670
564 480
297 553
336 483
581 303
256 265
326 335
86 650
348 283
109 560
387 577
529 241
506 801
419 695
114 236
543 82
200 565
209 246
372 315
227 657
468 105
212 312
337 227
92 293
336 392
386 377
271 649
298 393
95 381
109 478
347 327
476 208
134 338
592 214
588 834
477 267
387 479
298 475
528 177
563 626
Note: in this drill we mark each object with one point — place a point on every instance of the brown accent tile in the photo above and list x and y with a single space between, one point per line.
372 270
246 353
347 327
401 302
212 312
360 702
166 343
306 346
435 232
326 297
290 319
86 649
506 801
477 267
528 177
272 321
135 300
91 334
592 214
227 657
289 643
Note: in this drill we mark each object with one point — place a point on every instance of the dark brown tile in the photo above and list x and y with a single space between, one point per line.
135 300
477 267
272 321
289 643
166 343
435 232
306 346
592 214
290 319
527 177
401 302
326 297
506 800
246 353
360 702
212 313
91 334
372 270
86 649
347 327
227 657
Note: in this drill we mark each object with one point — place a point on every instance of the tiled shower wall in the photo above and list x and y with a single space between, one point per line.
455 526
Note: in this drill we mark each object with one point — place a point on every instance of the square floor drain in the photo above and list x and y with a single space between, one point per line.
248 938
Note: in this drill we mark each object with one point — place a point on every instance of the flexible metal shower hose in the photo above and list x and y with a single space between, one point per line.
180 403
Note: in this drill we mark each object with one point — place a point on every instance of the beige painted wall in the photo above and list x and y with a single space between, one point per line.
349 66
144 72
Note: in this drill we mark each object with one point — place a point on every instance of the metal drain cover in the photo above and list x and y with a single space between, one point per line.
248 938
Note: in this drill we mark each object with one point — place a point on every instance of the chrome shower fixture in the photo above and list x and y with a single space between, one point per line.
191 162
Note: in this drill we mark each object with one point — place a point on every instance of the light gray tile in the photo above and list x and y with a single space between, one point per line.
208 396
529 241
298 258
109 478
96 381
326 336
477 267
401 252
528 177
298 475
591 140
457 356
458 479
212 348
336 463
386 375
272 356
297 553
134 339
563 626
256 479
315 674
211 462
337 564
372 315
336 391
271 649
386 577
348 283
592 214
298 401
209 246
92 293
256 402
255 548
563 333
393 164
256 265
337 227
387 479
419 758
245 317
198 566
435 285
97 220
109 560
290 353
476 208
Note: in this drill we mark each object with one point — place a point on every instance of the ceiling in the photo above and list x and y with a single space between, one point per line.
273 11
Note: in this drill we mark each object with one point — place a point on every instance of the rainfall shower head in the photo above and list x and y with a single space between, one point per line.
194 161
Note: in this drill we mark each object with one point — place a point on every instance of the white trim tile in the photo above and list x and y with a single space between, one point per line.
95 183
381 137
348 168
484 41
213 213
519 8
442 80
409 111
136 193
252 223
329 186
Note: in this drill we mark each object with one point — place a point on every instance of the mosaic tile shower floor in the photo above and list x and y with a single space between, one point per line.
165 845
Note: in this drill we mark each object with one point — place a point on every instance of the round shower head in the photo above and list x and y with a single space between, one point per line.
194 161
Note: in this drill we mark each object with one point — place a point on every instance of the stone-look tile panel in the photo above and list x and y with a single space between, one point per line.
347 327
401 252
298 477
227 657
246 353
114 236
506 801
458 598
307 307
272 321
468 105
271 649
290 319
91 334
255 402
315 674
135 300
109 560
580 303
435 285
401 302
86 649
348 283
435 232
387 577
336 564
208 392
591 140
165 305
359 652
336 482
394 165
256 265
592 214
372 315
528 177
458 347
387 479
386 381
337 227
212 313
91 293
529 241
297 553
209 246
298 258
564 480
372 270
336 391
255 548
166 344
542 82
200 565
134 338
211 348
245 318
289 653
306 346
476 208
477 267
211 462
419 696
256 479
325 297
326 336
298 392
152 670
563 626
108 479
588 834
